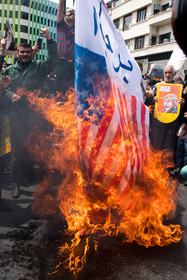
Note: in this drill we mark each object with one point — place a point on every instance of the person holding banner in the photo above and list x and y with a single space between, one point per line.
163 135
65 73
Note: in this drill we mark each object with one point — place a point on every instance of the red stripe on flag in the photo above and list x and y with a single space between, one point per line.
101 133
120 173
111 154
135 129
85 126
128 187
144 139
128 150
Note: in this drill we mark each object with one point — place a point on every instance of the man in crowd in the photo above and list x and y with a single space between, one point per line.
66 45
30 75
163 135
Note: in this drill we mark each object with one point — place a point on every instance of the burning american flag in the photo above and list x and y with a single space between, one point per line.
113 122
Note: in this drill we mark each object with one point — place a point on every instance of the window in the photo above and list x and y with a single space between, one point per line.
164 38
109 5
141 15
127 22
165 7
116 22
117 2
139 43
24 15
25 3
156 9
127 42
153 40
24 28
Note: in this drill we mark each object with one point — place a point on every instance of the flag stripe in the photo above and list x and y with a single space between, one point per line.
111 154
103 127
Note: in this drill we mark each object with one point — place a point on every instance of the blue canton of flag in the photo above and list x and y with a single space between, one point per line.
91 77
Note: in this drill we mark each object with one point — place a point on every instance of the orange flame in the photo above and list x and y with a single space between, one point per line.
90 208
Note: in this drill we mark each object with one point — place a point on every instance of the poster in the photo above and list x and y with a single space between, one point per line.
167 108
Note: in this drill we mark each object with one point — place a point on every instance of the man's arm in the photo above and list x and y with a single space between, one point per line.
48 65
45 33
61 10
5 82
5 93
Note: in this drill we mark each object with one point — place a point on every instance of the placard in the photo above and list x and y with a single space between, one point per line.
167 108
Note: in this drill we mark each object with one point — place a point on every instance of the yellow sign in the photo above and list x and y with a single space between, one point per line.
5 146
167 108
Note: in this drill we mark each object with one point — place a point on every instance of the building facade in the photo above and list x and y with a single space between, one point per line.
27 17
146 26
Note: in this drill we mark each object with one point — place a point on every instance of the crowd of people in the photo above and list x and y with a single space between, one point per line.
32 75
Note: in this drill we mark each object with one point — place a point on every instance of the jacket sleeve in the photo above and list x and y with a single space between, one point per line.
49 65
7 93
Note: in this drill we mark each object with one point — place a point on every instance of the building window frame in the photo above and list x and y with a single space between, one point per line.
117 23
117 2
153 40
139 43
127 19
141 14
164 38
165 7
128 43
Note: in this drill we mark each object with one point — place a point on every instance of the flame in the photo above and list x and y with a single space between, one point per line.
88 206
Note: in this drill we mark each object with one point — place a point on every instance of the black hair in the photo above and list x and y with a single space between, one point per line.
185 84
24 45
152 82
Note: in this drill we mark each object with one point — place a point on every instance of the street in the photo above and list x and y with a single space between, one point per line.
29 247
